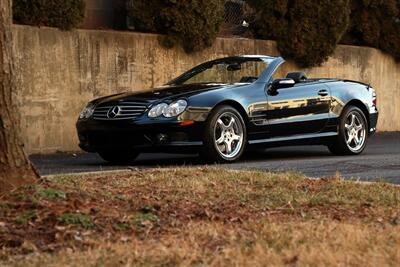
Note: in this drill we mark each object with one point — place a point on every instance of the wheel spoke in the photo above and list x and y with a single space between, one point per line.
221 124
347 126
222 147
349 139
228 147
353 120
220 140
231 123
357 139
359 127
236 137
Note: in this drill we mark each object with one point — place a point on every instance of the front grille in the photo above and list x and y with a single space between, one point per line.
125 110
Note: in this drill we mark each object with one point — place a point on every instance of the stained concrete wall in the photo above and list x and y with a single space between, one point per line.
60 71
104 14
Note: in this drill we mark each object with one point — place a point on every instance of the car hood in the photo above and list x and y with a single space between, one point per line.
167 92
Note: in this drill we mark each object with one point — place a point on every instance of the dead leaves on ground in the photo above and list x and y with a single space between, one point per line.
80 212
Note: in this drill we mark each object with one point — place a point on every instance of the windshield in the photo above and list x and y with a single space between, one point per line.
226 71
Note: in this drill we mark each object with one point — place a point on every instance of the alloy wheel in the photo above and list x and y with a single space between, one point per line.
228 135
355 131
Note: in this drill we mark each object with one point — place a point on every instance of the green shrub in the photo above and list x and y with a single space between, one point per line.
143 14
306 31
63 14
375 23
194 24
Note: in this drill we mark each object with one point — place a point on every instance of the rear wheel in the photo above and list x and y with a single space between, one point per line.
225 135
118 156
353 133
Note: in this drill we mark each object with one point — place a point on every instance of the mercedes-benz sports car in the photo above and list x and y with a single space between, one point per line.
223 107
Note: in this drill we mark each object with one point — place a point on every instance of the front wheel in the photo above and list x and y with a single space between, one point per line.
225 135
353 133
118 156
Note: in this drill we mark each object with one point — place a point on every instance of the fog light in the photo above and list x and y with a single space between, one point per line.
162 138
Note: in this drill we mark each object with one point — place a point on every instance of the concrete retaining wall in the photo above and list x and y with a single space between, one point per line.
61 71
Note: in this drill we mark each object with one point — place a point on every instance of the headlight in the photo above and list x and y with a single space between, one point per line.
175 108
87 112
171 110
157 110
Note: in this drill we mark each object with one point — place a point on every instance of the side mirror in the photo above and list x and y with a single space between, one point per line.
280 84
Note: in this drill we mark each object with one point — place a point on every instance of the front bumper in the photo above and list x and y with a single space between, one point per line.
143 136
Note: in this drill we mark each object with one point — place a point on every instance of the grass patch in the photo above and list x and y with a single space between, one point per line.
143 219
50 193
26 217
201 216
121 226
78 219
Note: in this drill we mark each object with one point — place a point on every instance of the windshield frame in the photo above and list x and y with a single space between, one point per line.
237 59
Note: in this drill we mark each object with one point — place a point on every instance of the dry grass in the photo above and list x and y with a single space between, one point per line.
200 216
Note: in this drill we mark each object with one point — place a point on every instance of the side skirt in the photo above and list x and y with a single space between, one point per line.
293 138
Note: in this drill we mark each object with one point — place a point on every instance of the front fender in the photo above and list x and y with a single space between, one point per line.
201 105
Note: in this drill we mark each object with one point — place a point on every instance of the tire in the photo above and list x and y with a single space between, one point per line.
224 139
353 135
118 156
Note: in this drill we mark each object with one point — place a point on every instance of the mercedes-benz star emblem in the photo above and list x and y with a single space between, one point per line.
113 112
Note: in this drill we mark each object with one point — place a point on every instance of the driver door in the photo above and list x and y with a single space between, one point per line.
301 109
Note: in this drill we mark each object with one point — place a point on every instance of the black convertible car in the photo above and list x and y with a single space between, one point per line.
223 107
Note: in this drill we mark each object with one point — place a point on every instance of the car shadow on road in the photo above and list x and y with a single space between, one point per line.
165 160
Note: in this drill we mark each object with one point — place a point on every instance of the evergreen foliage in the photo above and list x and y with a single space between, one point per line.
375 23
63 14
306 31
193 24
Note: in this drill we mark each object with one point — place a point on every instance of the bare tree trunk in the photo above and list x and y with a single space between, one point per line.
15 167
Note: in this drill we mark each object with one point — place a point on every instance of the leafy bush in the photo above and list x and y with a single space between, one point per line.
305 31
194 24
63 14
144 14
375 23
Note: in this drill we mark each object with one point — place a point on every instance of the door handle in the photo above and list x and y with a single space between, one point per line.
323 92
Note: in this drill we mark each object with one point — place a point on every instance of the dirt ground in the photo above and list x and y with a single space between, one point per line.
200 217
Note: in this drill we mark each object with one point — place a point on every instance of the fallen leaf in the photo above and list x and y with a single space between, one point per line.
28 246
124 239
396 221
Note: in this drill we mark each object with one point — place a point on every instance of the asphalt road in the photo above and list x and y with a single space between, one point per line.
380 161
